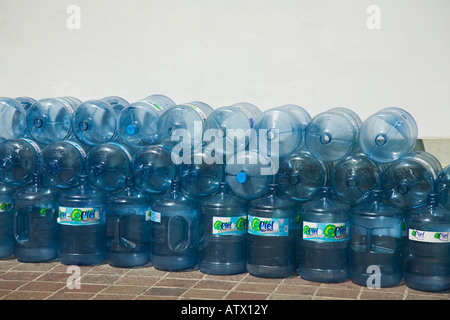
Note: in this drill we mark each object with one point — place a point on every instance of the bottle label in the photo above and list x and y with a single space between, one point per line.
80 216
33 144
155 216
152 104
278 227
148 215
5 206
78 147
199 111
429 236
124 150
330 232
229 225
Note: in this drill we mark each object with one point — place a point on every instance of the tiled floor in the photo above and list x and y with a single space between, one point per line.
49 281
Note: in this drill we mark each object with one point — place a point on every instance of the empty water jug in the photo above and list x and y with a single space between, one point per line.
333 134
376 243
223 222
6 221
388 134
408 180
128 227
443 187
12 119
26 102
272 236
96 121
324 239
174 230
138 123
35 223
427 265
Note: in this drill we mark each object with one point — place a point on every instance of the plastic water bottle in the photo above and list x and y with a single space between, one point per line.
354 176
388 134
443 187
12 119
62 164
182 126
272 236
408 180
333 134
96 121
325 239
152 169
26 102
35 223
376 242
128 227
281 127
107 166
19 159
82 225
301 175
174 230
249 174
138 123
228 128
223 219
6 221
50 120
427 265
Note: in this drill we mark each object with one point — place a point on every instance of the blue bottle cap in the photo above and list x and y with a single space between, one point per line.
241 177
131 129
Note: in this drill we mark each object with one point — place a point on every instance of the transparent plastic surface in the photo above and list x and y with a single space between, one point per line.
443 187
6 221
12 119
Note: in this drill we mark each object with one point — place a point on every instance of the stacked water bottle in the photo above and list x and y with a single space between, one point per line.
274 193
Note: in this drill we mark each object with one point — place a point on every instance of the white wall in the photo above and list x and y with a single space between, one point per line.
315 53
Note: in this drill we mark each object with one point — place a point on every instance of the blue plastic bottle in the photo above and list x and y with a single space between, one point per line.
443 187
249 174
182 126
354 176
35 223
388 134
281 127
138 123
107 166
223 222
325 239
96 121
174 230
427 266
6 221
62 164
272 236
82 225
19 159
12 119
26 103
333 134
408 180
50 120
301 175
128 227
376 243
152 169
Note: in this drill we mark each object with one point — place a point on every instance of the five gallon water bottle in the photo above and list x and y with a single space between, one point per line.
26 102
35 223
427 265
138 123
62 164
12 119
128 227
6 221
95 121
333 134
388 134
249 174
325 239
272 235
50 120
152 169
376 243
354 176
174 230
19 159
443 187
301 175
223 221
279 131
408 180
107 166
182 126
82 225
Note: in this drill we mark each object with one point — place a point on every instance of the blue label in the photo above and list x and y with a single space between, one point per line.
275 227
80 216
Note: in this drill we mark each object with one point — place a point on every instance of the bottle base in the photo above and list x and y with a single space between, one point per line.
33 255
6 251
384 281
217 268
271 271
128 259
173 263
325 276
427 283
82 259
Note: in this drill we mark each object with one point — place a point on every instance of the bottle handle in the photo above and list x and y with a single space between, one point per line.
172 236
18 234
119 239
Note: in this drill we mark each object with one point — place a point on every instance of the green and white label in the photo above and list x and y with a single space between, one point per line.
275 227
333 231
229 225
5 206
429 236
80 216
